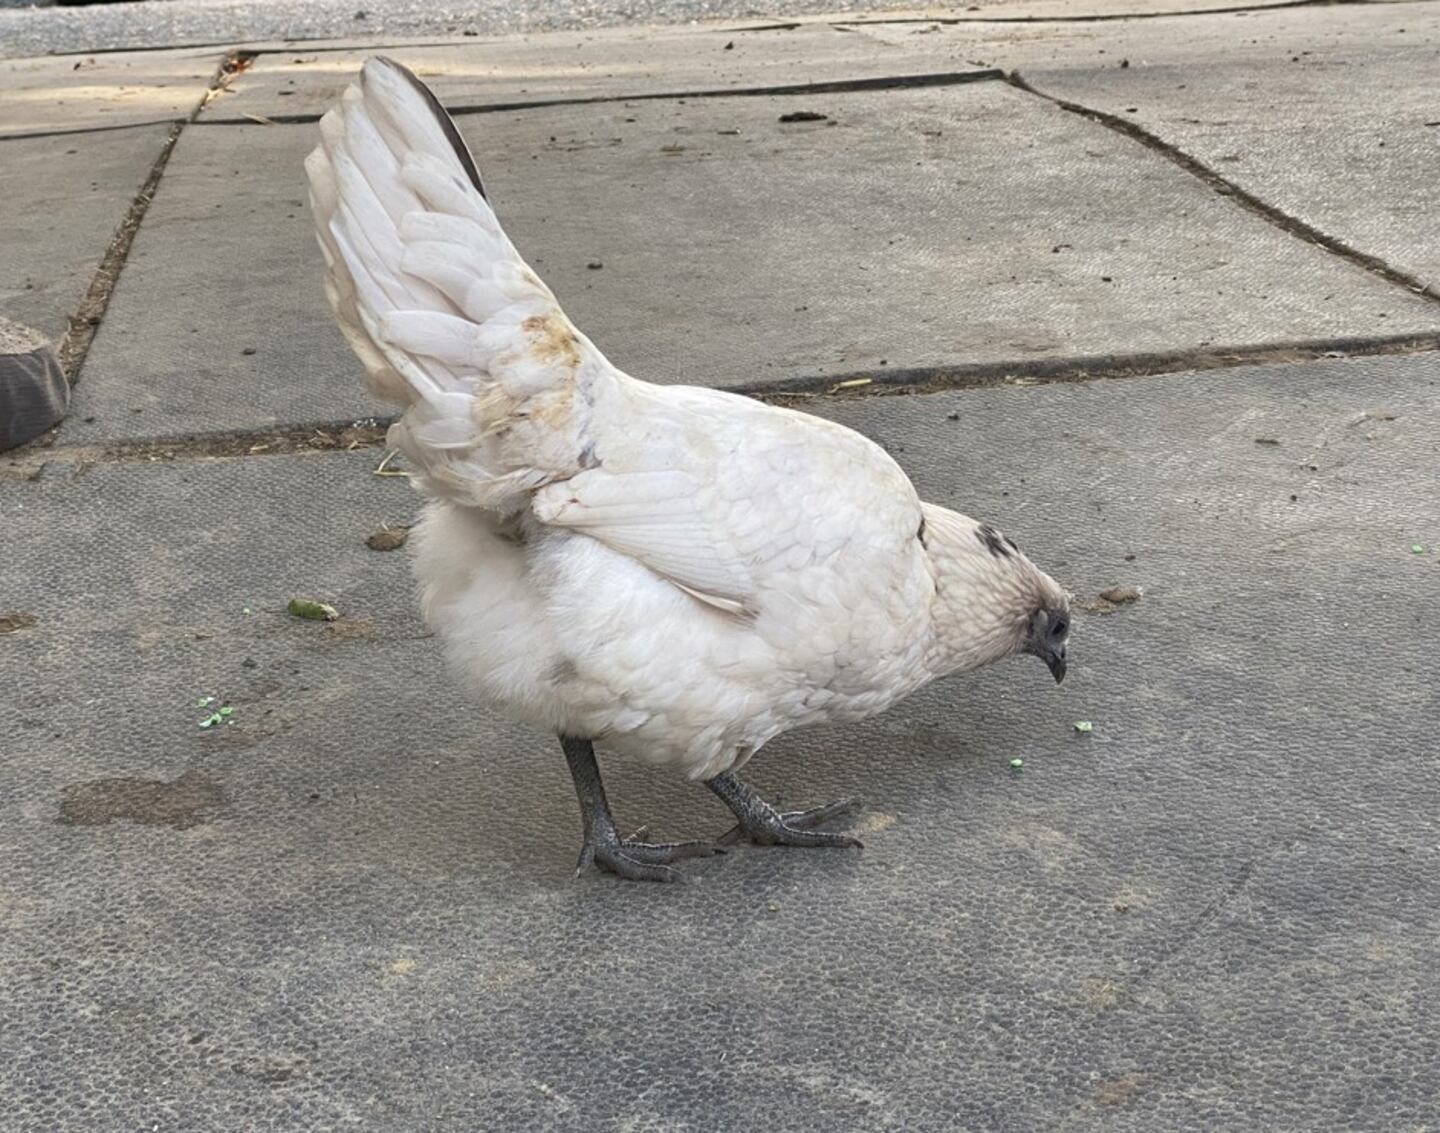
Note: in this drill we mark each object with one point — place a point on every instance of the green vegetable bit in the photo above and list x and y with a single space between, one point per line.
1017 764
220 716
205 702
1417 548
315 611
1084 726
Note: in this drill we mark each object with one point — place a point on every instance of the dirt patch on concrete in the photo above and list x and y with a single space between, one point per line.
10 623
184 802
388 539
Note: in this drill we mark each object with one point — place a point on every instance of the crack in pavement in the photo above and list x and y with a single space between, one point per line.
326 43
1211 912
330 436
833 86
1099 17
1088 368
28 462
1290 225
85 322
91 130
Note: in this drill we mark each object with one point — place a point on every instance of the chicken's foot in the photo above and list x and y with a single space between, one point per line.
629 858
761 823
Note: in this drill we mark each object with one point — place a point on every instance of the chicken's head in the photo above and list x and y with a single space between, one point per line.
990 600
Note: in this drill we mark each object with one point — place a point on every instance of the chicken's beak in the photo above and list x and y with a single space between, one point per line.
1043 646
1049 631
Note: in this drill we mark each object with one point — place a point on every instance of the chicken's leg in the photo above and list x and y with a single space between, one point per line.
625 857
763 824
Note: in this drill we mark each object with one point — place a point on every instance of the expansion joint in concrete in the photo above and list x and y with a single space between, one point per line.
1290 225
837 86
87 318
331 436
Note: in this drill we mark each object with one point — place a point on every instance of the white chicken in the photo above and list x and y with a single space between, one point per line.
677 574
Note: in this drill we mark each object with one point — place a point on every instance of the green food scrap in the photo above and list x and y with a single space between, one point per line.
220 716
1017 764
1417 548
205 702
1084 726
314 611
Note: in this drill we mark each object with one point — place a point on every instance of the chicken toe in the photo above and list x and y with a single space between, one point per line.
640 861
761 823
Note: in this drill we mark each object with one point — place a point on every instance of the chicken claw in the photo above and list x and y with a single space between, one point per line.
640 861
762 824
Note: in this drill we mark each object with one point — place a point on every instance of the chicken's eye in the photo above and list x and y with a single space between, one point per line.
1060 629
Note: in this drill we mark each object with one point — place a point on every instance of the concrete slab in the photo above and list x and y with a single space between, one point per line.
1069 11
923 228
1254 34
41 31
92 92
61 201
299 79
597 64
353 907
1336 127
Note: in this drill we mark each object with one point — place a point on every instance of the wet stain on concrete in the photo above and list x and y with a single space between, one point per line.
1116 1091
350 629
12 622
187 801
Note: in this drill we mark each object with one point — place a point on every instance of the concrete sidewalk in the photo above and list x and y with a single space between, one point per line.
350 903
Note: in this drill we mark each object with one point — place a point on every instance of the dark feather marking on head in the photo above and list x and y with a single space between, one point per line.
920 534
994 542
452 135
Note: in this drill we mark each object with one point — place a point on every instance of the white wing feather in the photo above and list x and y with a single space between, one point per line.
657 518
502 395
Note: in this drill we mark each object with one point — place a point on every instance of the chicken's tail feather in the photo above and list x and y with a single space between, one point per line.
446 317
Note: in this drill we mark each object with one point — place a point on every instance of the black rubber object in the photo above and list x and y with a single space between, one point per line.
33 391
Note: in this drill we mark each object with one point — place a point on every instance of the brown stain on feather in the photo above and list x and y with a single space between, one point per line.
552 408
552 339
553 342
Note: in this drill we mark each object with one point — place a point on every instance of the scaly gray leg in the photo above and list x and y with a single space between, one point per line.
625 857
763 824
